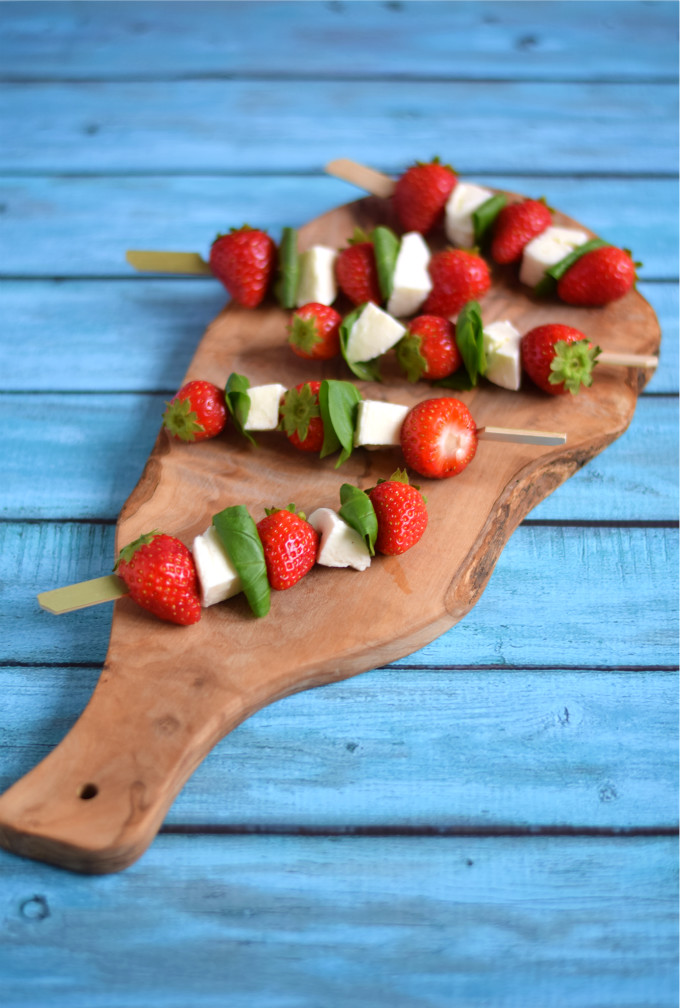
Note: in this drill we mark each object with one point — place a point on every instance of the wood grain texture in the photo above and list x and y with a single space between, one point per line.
97 801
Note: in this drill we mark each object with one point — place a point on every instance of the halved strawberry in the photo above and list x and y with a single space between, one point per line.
438 437
300 415
290 546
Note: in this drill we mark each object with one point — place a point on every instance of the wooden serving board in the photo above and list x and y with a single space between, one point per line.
168 694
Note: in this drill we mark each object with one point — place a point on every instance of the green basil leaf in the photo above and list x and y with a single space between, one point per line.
289 269
546 286
386 248
358 511
338 401
485 214
238 534
459 381
238 402
470 341
366 370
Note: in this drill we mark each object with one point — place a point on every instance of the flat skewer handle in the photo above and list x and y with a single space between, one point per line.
521 436
361 176
83 594
627 359
151 261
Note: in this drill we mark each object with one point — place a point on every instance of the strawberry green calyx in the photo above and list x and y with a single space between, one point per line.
289 507
304 333
298 410
181 420
410 357
573 364
127 552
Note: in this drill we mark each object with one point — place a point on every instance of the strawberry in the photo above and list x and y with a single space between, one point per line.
196 413
438 437
558 358
514 228
301 416
244 260
458 276
401 513
160 574
421 193
597 277
314 331
290 546
429 349
356 270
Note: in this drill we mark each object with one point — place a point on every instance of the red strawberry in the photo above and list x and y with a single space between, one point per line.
160 574
428 350
356 270
558 358
314 331
438 437
514 228
301 416
196 413
421 193
290 546
244 261
401 513
597 277
457 276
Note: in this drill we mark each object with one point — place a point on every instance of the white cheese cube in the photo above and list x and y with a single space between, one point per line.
546 249
411 282
378 424
503 358
340 545
217 575
460 206
264 407
373 334
317 276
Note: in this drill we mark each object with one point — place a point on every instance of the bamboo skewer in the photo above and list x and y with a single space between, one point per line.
151 261
362 176
516 436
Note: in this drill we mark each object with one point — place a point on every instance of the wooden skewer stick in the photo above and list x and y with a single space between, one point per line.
150 261
627 359
362 176
83 594
517 436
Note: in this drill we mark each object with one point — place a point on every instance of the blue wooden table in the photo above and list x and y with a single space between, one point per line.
491 821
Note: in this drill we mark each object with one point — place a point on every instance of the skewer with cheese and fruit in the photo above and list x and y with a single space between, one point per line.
236 555
554 260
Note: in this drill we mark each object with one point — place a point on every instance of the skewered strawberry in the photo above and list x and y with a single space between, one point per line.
420 195
290 545
314 332
356 270
244 260
458 276
514 228
401 513
428 350
598 277
438 437
160 575
558 358
196 413
301 416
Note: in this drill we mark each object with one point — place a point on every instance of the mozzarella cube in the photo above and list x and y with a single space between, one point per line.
217 575
460 206
503 357
374 333
411 281
340 545
378 424
317 276
547 249
263 414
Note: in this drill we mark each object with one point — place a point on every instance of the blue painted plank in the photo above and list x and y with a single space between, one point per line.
139 336
90 450
279 921
573 597
70 227
251 126
484 40
479 751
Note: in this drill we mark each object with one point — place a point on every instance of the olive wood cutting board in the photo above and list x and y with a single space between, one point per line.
168 694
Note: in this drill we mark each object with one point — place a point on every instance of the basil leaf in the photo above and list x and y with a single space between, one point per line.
470 341
366 370
238 535
338 402
546 286
386 248
238 402
485 214
289 269
358 511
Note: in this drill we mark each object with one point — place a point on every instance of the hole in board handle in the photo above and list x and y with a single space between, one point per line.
88 791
